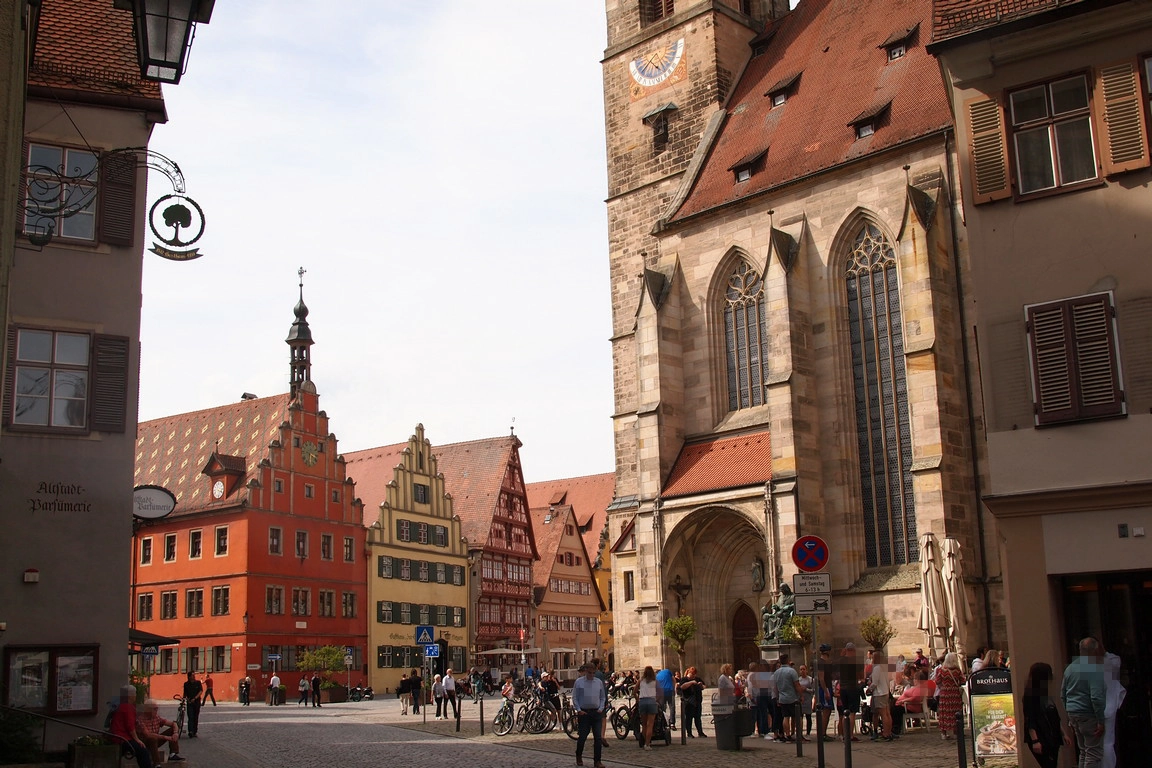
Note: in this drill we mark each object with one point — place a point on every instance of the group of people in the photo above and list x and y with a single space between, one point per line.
444 693
309 690
146 733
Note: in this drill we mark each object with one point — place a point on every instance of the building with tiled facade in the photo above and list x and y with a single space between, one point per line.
71 261
588 497
417 560
486 484
264 555
788 268
1052 110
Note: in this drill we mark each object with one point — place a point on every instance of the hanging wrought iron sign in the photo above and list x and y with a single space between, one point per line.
184 218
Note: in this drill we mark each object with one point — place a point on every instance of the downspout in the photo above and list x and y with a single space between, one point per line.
968 397
658 555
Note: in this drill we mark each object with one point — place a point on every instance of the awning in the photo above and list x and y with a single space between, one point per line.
139 637
563 650
498 651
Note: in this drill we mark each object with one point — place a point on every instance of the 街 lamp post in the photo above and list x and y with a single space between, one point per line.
164 31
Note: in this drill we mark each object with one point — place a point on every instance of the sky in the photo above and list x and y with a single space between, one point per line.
438 170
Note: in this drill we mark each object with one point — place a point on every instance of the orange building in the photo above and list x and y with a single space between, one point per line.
263 556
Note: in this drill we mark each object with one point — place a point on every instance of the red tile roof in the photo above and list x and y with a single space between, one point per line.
548 525
589 497
952 18
88 46
833 45
715 465
473 473
173 451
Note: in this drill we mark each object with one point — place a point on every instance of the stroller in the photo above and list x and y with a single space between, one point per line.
867 717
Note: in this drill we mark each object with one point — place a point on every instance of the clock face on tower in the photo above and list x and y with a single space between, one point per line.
310 453
658 65
218 489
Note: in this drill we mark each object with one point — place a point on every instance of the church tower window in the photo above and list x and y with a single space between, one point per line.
654 10
883 434
745 337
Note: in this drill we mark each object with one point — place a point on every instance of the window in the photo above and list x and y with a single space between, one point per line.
349 549
194 603
384 612
144 607
61 192
457 617
1052 134
195 541
221 541
301 544
403 530
745 337
146 551
896 51
169 547
568 558
275 541
865 129
53 681
383 656
629 586
441 573
441 615
220 596
422 533
1074 359
66 381
384 567
325 546
348 605
309 491
300 600
654 10
659 120
326 603
168 605
458 575
335 495
405 613
423 570
278 485
425 613
221 658
440 535
406 569
274 600
883 431
420 493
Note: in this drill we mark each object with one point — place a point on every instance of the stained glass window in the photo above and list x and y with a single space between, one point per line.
745 337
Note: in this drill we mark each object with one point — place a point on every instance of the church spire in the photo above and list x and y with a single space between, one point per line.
299 340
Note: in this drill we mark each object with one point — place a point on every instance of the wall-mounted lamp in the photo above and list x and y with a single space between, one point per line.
164 31
245 619
32 576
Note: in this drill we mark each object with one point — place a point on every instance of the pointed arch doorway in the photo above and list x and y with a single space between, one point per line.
745 627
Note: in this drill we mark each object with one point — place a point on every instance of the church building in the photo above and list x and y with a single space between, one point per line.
788 268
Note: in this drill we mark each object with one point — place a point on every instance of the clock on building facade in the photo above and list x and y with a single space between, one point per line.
310 452
660 66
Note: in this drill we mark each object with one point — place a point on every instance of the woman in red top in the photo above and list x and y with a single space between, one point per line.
950 700
124 726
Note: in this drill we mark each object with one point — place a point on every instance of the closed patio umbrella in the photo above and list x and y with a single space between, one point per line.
955 594
933 604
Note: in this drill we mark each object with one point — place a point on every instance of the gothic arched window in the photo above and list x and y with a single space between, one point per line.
883 434
745 338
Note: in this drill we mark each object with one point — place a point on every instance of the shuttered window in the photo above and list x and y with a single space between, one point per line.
75 194
1074 360
1120 115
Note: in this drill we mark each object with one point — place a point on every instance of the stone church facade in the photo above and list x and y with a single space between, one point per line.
788 267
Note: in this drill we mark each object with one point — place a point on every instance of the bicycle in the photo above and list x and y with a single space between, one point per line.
569 719
181 711
626 719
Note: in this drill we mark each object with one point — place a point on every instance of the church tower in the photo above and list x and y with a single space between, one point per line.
300 341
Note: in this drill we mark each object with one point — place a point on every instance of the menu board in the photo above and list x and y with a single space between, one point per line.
993 713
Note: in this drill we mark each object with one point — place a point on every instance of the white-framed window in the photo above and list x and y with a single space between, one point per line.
221 541
195 544
168 604
302 544
220 600
275 541
326 603
349 549
274 600
1051 127
326 543
301 599
146 550
348 605
194 603
51 379
144 607
406 569
384 566
384 612
169 547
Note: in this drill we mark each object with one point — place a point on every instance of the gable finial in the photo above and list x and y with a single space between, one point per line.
512 429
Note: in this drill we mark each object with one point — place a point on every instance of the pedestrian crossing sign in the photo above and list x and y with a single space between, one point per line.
425 635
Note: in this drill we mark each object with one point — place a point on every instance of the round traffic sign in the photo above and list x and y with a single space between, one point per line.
810 553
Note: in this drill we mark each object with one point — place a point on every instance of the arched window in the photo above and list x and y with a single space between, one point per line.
881 388
745 338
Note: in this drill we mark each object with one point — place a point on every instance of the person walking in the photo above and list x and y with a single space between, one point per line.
647 705
1085 696
438 696
949 698
208 693
404 692
450 694
193 693
416 685
590 698
1042 730
315 686
667 684
245 691
304 688
692 691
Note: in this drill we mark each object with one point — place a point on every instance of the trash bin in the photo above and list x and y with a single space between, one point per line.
732 727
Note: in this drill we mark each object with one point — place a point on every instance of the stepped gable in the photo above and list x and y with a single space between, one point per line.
589 497
90 47
834 46
172 451
373 469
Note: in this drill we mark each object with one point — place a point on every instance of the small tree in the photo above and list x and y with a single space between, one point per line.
325 659
679 630
798 630
877 631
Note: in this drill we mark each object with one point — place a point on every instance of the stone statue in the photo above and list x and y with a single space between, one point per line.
775 616
757 575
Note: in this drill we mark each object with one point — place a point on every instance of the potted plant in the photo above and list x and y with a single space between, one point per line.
93 752
798 630
877 631
325 660
679 630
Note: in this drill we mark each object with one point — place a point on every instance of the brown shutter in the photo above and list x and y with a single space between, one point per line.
988 152
9 393
1074 362
1119 107
110 383
21 200
117 199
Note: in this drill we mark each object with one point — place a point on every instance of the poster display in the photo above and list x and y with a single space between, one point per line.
28 679
993 713
75 676
56 680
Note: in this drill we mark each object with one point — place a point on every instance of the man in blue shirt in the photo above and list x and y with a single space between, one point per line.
1084 692
666 682
590 698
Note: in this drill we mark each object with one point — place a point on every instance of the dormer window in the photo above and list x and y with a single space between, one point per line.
867 122
783 88
658 119
745 167
899 42
759 44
